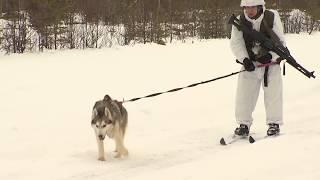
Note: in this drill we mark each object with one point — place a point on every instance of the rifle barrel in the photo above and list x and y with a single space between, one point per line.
269 45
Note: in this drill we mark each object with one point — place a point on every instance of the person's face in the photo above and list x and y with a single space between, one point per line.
251 11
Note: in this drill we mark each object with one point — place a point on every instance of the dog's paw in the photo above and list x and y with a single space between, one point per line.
101 159
125 153
118 155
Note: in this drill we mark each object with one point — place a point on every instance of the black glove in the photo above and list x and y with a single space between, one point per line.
248 65
264 59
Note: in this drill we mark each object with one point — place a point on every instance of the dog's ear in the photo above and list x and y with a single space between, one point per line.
107 98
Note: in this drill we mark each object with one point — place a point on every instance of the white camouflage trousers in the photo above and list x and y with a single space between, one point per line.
249 84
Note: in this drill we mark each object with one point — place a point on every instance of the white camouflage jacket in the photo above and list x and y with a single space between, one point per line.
237 43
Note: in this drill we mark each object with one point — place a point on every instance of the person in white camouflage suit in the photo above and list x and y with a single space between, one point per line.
251 54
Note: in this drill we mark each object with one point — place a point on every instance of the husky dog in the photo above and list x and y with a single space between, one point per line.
110 118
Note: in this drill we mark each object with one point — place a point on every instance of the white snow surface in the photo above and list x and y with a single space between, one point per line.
46 101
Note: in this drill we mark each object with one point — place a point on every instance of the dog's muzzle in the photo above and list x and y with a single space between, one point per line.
101 137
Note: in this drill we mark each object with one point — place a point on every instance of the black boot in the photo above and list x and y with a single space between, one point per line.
242 130
273 129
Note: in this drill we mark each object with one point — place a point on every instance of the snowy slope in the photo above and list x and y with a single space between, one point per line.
46 101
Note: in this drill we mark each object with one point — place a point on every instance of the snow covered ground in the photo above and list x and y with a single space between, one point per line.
46 101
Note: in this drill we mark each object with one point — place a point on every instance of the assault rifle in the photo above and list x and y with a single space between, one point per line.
270 44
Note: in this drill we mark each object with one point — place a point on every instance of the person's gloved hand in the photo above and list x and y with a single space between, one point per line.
264 59
248 65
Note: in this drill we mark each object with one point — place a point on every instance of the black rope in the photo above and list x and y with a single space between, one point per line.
178 89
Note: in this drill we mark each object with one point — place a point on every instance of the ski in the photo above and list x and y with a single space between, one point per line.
234 138
266 137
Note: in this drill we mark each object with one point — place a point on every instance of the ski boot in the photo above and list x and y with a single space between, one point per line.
242 130
273 129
